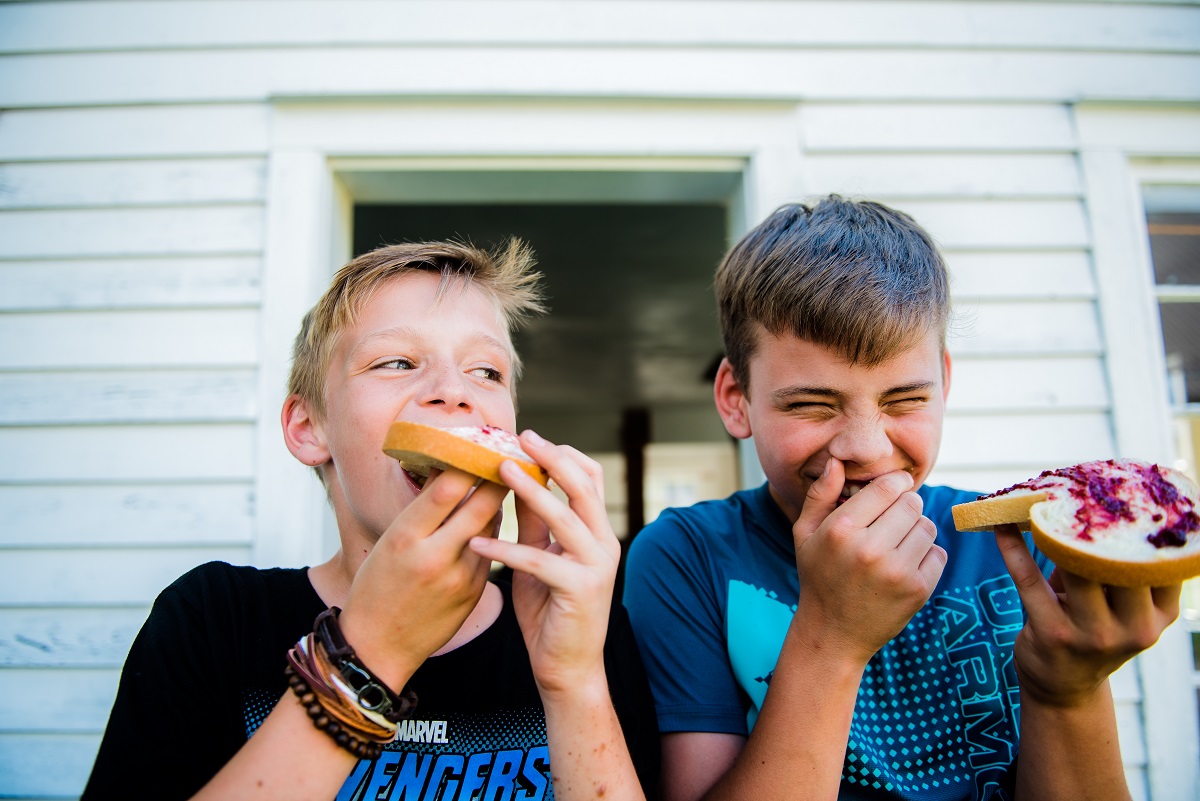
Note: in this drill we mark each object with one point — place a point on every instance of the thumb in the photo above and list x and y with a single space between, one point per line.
820 501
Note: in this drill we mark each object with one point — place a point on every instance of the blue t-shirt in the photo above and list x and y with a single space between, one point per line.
711 590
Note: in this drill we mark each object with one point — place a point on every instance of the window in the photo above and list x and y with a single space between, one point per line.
1173 222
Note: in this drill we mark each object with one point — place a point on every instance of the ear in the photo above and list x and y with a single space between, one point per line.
945 375
732 403
302 432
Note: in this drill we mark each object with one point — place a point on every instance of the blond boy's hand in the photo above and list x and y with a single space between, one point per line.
866 566
1078 631
562 587
421 581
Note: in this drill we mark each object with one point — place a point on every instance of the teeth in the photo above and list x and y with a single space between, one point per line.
851 489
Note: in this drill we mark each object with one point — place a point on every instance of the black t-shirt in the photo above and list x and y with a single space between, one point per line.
207 668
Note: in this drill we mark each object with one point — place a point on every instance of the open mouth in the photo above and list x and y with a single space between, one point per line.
416 479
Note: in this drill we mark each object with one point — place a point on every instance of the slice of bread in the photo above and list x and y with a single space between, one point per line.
478 450
1122 522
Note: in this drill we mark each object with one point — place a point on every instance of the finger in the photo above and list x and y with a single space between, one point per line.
531 530
1086 601
470 517
917 541
575 474
1037 597
820 501
556 517
1166 600
932 565
880 497
441 495
546 565
893 526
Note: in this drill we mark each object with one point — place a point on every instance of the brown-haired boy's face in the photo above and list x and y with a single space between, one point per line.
807 403
409 356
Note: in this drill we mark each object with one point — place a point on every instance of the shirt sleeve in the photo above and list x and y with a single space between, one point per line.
674 597
167 734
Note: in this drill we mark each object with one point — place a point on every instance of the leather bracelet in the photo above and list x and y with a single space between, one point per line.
370 692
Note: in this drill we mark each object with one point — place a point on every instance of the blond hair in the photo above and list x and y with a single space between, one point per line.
851 275
505 274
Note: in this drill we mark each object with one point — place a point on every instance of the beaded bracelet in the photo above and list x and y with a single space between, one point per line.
342 697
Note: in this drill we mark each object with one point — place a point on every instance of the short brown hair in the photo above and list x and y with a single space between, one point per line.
506 274
851 275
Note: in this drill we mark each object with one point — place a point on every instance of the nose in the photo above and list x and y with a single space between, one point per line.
862 441
447 387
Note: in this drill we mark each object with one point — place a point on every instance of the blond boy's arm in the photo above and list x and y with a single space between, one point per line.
1077 634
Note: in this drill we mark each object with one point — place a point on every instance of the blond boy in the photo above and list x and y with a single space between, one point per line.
512 685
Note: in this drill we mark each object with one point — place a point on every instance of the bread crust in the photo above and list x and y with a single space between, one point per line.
420 448
1121 552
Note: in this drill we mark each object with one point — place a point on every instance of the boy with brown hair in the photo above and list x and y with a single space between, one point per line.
809 639
519 692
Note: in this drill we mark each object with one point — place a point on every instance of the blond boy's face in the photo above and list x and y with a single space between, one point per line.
409 356
807 403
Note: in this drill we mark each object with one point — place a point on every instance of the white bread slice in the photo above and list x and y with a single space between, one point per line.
478 450
1121 522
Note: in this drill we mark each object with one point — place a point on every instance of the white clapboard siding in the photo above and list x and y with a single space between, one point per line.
64 700
1028 329
124 396
101 339
923 127
127 453
131 183
128 25
1025 439
130 282
137 132
46 765
156 231
898 177
981 385
141 77
1002 224
95 637
1001 275
101 576
154 515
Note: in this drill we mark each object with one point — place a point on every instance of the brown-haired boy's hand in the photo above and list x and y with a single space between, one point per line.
1078 631
866 566
562 584
421 581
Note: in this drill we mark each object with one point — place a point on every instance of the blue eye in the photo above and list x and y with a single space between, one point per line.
396 364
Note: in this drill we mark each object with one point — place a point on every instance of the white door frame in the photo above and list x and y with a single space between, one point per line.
309 217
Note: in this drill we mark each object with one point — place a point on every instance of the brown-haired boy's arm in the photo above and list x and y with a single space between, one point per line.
408 598
866 567
1077 634
562 595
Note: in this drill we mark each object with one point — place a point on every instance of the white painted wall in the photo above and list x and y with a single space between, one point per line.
170 202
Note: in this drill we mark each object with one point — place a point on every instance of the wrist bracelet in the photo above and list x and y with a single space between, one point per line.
370 693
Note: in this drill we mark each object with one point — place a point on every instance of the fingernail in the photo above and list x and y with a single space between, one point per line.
533 437
828 464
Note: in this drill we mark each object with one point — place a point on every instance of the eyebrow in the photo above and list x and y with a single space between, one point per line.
825 392
408 332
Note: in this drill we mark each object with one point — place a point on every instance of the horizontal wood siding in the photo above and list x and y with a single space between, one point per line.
134 153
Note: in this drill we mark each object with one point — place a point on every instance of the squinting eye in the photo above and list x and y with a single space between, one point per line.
396 364
490 373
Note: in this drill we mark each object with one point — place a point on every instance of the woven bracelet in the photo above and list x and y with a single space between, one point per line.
370 692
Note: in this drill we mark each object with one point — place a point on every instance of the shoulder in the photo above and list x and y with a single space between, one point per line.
938 502
701 526
217 591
